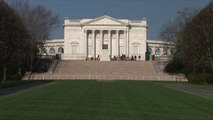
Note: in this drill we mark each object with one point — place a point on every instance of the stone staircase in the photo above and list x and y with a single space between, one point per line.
119 68
104 70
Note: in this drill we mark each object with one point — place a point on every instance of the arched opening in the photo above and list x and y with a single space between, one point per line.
157 51
150 50
44 51
60 50
52 50
165 51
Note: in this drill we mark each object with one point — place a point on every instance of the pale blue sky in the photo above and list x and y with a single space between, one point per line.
157 12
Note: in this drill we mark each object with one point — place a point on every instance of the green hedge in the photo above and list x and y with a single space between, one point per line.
209 78
195 78
174 66
198 78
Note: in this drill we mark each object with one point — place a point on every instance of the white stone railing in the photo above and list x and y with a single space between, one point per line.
107 77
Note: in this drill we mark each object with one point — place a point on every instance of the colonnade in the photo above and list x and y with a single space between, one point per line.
116 42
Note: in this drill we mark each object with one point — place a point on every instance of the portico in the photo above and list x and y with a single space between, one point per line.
112 41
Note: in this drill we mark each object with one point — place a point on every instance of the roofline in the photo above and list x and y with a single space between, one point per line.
106 16
54 41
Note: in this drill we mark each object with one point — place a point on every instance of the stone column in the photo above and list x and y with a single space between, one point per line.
86 39
97 45
101 40
128 41
118 42
109 43
101 44
94 44
113 44
125 43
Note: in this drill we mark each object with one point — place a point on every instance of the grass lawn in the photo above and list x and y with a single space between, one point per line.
117 100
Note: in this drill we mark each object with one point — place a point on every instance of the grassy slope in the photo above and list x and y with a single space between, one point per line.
91 100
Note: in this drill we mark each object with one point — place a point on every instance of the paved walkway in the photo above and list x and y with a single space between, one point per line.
190 89
22 88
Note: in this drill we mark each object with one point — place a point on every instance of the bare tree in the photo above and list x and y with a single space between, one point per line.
171 30
194 42
13 33
40 23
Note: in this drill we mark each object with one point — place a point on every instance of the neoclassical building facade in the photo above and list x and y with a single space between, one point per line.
104 38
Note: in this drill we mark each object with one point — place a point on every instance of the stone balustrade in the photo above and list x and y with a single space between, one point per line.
107 77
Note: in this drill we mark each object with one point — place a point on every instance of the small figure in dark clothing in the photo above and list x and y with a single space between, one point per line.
132 58
153 57
98 57
114 58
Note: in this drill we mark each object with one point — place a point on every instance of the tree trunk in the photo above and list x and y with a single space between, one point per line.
19 71
4 74
212 66
30 75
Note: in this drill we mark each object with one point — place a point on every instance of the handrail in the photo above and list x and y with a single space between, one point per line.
55 66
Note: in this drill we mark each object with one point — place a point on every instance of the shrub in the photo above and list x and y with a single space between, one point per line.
174 66
195 78
209 78
199 78
43 65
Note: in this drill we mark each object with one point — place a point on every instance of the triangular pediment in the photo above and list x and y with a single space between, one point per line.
105 20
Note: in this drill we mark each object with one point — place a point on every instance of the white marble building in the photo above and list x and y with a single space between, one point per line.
104 37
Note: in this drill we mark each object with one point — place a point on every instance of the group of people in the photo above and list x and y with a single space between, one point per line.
122 58
126 58
92 58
